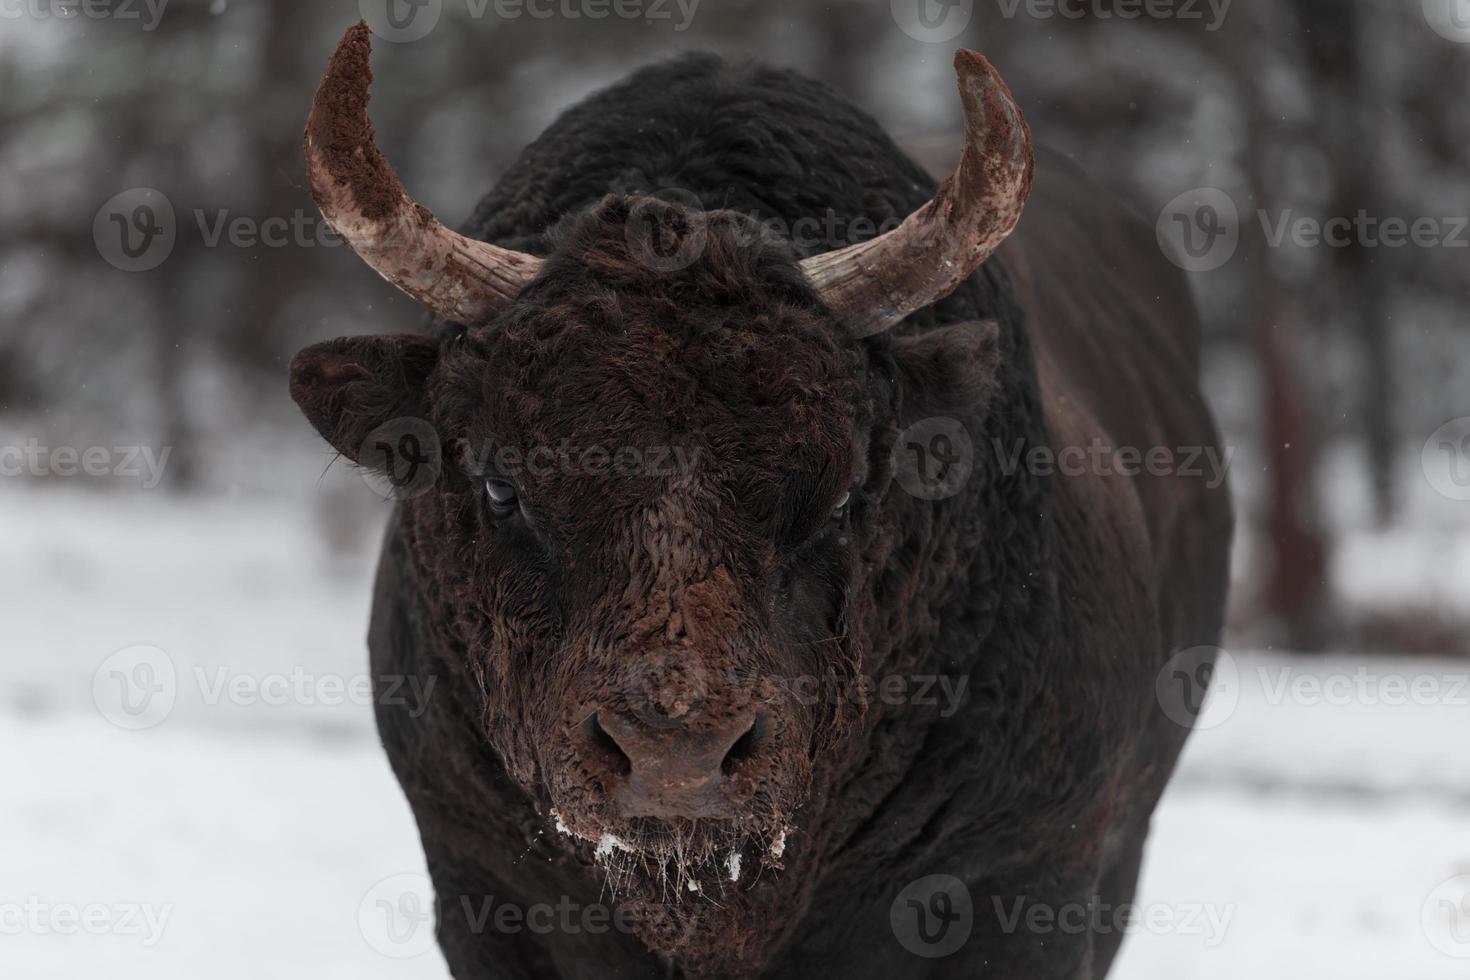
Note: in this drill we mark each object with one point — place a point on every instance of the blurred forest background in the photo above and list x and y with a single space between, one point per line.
1330 367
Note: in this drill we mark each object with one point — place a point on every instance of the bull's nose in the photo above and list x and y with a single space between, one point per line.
673 770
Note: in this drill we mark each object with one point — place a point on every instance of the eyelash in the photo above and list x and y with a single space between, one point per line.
500 508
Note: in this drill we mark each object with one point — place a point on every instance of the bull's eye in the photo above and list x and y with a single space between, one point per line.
500 495
840 511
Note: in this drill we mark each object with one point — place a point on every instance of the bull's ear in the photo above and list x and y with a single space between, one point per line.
947 370
349 386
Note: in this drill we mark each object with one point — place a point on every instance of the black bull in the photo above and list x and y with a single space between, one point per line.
1037 602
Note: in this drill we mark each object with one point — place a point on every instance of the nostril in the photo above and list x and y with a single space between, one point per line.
604 747
746 745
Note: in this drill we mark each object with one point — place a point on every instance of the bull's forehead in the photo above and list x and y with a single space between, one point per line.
686 408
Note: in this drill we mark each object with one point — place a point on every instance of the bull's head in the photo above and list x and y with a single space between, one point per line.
668 476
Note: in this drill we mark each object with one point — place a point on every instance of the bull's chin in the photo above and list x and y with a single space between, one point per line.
694 889
679 862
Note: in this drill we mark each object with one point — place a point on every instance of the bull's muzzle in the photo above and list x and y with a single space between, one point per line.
674 766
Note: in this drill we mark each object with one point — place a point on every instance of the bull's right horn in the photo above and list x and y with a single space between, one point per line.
361 197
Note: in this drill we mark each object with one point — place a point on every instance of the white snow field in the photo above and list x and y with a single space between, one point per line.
1318 829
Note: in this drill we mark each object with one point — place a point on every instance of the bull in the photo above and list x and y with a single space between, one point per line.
664 671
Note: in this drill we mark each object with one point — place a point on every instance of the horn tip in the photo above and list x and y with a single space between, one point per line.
339 139
993 120
342 91
352 58
968 61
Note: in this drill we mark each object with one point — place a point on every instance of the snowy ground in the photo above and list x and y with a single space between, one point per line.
249 830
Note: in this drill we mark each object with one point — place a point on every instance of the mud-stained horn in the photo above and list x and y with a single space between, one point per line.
874 284
363 200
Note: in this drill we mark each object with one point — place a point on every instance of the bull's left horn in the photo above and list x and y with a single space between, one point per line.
361 197
874 284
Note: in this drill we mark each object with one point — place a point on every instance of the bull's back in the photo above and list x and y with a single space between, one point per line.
767 142
1117 346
